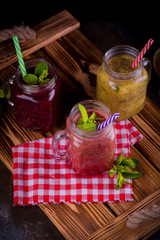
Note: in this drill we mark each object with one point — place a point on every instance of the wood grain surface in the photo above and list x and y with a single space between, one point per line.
117 229
47 31
76 60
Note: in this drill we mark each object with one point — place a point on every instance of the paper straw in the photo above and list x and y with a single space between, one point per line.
19 55
108 121
141 54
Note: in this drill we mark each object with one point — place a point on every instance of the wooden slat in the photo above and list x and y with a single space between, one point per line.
11 135
47 31
117 229
150 175
75 56
77 221
151 115
150 144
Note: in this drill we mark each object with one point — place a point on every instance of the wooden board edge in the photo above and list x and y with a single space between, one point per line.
118 226
77 221
68 23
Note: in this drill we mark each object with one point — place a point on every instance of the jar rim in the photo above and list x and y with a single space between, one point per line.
32 62
87 104
119 50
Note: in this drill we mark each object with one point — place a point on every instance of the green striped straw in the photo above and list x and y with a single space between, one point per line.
19 55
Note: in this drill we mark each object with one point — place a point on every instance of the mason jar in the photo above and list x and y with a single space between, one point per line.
121 87
37 107
87 152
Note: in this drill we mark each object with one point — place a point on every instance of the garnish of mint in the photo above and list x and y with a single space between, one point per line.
122 168
86 123
3 95
40 76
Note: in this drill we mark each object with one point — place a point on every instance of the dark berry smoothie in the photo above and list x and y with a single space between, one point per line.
91 152
37 108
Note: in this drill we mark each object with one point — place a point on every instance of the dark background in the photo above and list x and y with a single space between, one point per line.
129 21
135 21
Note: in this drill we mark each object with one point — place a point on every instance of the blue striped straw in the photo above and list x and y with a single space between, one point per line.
108 121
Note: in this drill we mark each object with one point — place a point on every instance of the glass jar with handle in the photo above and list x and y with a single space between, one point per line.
37 107
121 87
88 152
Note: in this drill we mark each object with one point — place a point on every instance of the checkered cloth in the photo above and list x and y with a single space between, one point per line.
39 178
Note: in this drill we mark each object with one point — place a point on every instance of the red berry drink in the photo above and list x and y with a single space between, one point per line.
91 152
37 108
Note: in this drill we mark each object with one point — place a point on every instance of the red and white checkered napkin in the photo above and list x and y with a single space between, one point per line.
38 178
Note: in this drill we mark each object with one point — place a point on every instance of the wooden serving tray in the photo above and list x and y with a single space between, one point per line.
76 60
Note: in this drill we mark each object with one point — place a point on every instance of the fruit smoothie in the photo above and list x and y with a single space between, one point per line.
121 87
37 108
91 152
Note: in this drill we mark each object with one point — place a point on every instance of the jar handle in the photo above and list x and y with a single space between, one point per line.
148 66
9 81
60 145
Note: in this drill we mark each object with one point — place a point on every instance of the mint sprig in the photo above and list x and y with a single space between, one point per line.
30 79
84 113
40 68
40 76
122 168
86 123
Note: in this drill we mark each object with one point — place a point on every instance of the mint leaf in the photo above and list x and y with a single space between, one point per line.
43 75
131 174
40 68
112 171
85 123
119 158
39 77
93 116
8 95
2 93
83 112
122 168
89 127
92 119
30 79
45 81
120 181
130 162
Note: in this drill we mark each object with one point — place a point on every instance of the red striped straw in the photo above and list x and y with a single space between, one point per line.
141 54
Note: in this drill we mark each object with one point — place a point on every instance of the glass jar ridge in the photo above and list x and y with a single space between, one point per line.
94 105
122 50
119 86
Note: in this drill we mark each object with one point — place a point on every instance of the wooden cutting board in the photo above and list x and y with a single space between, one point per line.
76 60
